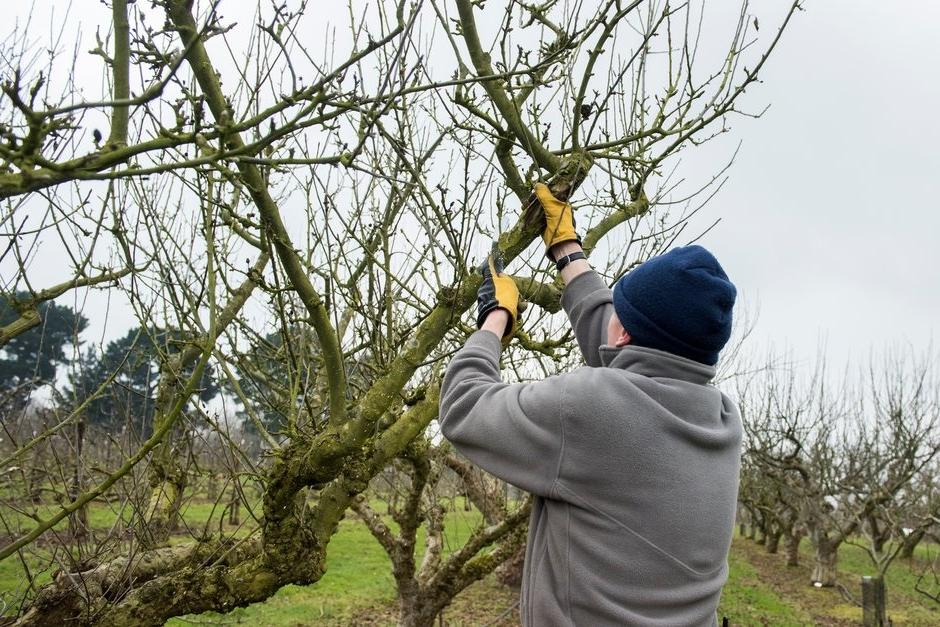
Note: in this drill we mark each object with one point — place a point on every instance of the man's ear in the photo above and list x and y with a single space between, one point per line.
623 340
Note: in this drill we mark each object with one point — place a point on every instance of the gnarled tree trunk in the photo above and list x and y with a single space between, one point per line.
825 557
772 541
910 542
791 547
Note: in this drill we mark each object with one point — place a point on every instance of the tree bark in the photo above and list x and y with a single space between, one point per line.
510 572
825 557
212 486
79 597
36 479
166 497
910 543
873 602
772 541
417 609
78 520
791 546
234 512
878 540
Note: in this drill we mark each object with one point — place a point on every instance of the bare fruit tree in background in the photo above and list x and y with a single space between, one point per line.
844 460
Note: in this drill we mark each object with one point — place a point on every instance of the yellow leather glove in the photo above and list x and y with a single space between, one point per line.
559 219
498 291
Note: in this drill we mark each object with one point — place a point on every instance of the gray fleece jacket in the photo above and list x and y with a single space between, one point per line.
633 461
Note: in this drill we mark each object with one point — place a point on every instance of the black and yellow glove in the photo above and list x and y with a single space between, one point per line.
559 219
498 291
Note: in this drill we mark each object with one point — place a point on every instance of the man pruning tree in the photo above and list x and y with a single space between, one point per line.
633 459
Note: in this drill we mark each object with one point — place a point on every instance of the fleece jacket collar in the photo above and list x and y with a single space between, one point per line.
650 362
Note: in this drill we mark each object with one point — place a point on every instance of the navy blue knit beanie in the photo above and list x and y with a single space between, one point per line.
679 302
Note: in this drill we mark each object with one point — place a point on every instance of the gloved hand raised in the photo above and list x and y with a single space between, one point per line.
559 219
498 291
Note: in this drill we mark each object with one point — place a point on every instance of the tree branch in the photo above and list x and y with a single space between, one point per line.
481 62
120 67
180 15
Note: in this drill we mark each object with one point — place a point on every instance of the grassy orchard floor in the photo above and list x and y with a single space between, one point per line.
828 606
358 590
358 587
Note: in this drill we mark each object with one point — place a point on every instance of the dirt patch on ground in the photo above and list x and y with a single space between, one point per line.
485 603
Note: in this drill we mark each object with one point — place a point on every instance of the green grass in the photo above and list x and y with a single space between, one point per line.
746 600
103 516
13 580
828 606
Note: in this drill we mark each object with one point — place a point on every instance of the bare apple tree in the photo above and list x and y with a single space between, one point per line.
293 213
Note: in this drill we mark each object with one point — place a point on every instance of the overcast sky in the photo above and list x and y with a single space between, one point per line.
830 217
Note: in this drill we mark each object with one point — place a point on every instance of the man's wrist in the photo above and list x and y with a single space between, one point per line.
565 248
497 321
573 267
562 262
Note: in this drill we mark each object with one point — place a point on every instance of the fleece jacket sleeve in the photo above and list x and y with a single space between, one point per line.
513 431
588 302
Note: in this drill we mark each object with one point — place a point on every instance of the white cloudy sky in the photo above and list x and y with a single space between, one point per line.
830 216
